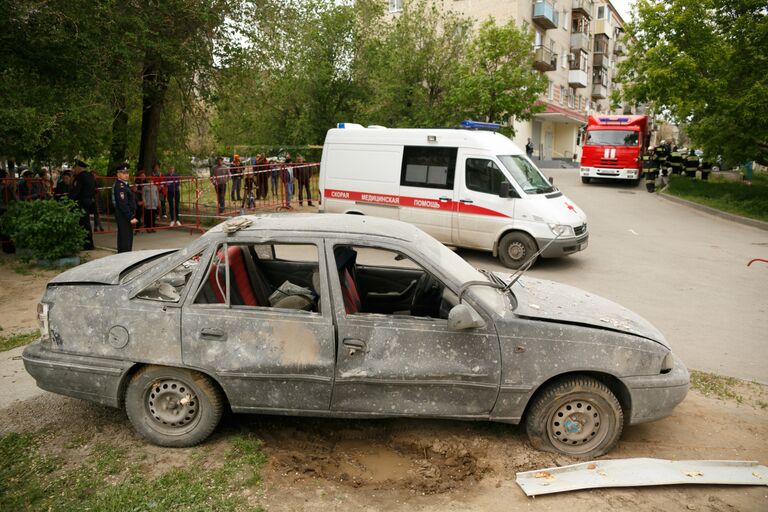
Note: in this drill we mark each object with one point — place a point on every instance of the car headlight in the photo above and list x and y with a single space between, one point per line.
668 363
562 230
42 320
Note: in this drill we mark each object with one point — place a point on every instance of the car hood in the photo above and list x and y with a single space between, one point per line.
106 270
555 302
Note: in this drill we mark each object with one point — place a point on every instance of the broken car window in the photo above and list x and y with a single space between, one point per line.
169 287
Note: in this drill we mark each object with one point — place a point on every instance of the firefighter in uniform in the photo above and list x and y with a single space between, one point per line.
649 168
675 161
125 209
660 156
691 163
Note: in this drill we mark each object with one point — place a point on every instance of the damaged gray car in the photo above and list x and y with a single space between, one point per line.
346 316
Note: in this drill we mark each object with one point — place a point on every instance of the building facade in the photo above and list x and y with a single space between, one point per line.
577 45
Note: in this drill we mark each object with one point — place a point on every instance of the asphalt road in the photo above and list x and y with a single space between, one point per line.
683 270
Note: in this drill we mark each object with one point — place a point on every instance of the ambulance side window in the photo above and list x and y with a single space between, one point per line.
429 167
483 176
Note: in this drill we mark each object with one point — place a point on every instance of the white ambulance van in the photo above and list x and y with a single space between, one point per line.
466 187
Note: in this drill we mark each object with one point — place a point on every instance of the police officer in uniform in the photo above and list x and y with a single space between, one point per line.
83 192
125 209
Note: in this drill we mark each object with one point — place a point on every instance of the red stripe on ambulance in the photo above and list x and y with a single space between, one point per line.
415 202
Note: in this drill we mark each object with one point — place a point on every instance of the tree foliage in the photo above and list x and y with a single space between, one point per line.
139 79
703 63
497 78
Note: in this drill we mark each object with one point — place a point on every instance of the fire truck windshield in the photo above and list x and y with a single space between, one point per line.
611 138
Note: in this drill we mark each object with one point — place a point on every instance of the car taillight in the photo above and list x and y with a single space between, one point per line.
42 320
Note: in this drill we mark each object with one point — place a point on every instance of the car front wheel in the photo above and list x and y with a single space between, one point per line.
515 249
577 416
173 406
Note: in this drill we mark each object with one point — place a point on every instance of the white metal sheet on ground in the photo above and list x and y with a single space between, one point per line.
641 472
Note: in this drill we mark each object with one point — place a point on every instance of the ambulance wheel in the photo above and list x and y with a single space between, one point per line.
516 248
585 179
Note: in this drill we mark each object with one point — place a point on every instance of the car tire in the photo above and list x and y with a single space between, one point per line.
173 406
578 416
585 179
516 248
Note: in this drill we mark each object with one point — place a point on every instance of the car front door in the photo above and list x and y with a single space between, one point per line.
481 213
407 362
268 340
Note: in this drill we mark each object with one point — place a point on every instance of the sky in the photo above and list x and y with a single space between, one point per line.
624 7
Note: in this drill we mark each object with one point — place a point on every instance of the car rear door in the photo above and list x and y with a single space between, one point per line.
265 357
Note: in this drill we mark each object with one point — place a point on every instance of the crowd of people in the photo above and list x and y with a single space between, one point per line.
139 204
258 176
667 158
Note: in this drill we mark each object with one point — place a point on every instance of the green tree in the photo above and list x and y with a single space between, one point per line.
498 80
703 63
412 64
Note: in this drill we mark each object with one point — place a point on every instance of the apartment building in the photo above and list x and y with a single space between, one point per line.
577 45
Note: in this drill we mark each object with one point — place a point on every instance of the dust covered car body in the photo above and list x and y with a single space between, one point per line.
346 316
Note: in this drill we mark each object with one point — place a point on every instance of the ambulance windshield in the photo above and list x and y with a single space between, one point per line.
526 174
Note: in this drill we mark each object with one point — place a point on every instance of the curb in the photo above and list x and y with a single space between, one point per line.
759 224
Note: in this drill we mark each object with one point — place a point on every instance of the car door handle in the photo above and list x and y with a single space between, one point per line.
445 199
213 334
353 345
467 201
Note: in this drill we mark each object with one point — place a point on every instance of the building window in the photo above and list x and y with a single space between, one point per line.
395 5
550 91
562 94
600 11
570 98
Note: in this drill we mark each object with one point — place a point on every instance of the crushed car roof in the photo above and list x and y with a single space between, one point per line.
319 223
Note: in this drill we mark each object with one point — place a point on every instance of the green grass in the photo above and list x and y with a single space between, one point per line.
17 340
729 196
108 479
718 386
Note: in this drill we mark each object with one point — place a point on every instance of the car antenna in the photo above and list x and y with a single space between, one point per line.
525 266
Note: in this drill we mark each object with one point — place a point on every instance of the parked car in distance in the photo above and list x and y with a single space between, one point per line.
346 316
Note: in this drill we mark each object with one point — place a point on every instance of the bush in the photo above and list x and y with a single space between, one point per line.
48 229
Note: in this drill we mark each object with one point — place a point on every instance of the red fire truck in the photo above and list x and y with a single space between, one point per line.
613 147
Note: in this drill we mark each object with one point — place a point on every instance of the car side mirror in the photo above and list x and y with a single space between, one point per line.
506 190
551 180
462 317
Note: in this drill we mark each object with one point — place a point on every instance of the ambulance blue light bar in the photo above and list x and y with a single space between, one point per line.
618 120
480 125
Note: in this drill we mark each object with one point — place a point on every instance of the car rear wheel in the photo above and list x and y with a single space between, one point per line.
578 416
516 248
173 406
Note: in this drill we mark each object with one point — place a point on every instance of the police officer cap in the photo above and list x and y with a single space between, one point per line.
121 167
80 163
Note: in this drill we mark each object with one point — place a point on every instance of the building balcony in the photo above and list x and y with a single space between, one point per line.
544 14
604 27
544 59
577 78
619 48
582 7
601 60
599 91
579 42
